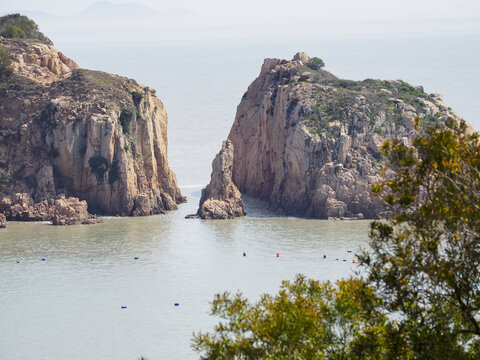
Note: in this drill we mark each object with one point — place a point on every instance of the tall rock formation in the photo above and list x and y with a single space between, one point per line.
221 198
89 134
309 143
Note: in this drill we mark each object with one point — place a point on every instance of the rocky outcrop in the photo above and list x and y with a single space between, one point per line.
221 198
38 62
72 211
60 211
3 221
309 143
88 134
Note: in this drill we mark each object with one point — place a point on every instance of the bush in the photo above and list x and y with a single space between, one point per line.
5 66
98 165
113 173
316 63
4 177
126 117
136 97
16 26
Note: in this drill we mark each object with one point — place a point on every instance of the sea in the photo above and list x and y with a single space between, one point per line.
134 287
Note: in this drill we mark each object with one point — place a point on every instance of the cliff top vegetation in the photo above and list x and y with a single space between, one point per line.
16 26
321 101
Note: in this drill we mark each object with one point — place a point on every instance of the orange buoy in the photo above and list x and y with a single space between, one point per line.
354 261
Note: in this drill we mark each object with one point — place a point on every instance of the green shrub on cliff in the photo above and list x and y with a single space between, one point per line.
5 66
126 117
4 177
16 26
136 97
113 173
98 165
316 63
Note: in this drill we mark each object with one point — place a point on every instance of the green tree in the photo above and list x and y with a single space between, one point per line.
418 295
316 63
307 319
426 258
16 26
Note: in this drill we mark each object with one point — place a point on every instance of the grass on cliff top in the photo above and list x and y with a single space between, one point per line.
99 79
16 26
104 87
334 105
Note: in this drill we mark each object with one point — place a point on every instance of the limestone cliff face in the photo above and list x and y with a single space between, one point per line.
309 143
221 198
93 135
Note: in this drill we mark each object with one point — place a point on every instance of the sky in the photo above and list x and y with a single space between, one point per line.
214 19
338 10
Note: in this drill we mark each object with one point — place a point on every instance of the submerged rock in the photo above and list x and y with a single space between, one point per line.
221 198
60 211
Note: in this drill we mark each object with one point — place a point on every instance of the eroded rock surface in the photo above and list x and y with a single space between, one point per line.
221 198
3 221
88 134
39 62
60 211
309 143
72 211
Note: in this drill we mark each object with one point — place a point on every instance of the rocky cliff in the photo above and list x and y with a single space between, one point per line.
309 143
221 198
89 134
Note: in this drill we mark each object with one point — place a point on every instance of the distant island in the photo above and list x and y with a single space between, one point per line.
310 143
67 132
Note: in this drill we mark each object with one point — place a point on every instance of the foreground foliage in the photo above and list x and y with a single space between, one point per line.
417 298
426 259
307 319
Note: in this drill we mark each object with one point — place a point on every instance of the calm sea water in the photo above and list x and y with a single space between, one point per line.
70 305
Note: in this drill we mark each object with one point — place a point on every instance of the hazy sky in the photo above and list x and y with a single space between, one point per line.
333 10
251 19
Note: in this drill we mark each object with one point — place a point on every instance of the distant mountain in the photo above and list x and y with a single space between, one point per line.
107 12
107 9
178 12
